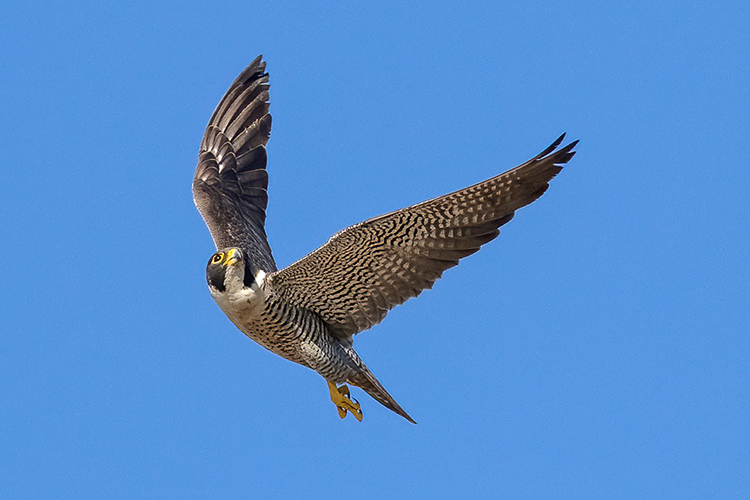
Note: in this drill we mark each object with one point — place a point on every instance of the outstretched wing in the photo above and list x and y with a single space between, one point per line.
364 271
230 183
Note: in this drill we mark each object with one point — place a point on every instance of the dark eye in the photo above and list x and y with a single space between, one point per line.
217 258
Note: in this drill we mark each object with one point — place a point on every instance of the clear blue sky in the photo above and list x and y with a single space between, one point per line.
598 349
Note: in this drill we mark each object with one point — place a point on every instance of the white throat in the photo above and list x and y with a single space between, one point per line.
238 300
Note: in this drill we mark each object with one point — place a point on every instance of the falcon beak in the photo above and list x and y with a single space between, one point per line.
233 256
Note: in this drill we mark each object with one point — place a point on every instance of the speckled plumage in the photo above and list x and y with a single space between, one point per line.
309 311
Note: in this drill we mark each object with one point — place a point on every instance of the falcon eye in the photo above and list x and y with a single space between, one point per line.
217 258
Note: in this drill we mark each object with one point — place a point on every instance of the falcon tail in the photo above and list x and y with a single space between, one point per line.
367 381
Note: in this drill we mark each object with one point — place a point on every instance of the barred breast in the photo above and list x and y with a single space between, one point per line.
290 331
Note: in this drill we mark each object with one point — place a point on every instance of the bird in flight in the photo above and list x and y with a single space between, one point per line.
309 311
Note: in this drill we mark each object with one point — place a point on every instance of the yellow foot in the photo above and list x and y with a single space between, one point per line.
340 397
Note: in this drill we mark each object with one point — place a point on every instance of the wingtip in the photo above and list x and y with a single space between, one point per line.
549 149
259 63
568 150
552 148
255 69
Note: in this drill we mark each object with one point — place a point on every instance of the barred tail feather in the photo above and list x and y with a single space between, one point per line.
366 380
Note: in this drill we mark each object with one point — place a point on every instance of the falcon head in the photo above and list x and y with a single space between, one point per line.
228 270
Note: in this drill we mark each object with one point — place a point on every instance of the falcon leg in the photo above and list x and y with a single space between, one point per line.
340 397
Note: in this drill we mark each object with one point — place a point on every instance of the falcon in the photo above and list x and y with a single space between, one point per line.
310 311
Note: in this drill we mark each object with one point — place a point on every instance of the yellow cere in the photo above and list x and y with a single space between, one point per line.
229 256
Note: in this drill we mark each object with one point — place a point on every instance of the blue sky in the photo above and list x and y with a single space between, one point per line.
597 349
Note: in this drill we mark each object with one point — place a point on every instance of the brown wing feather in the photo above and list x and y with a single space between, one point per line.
231 182
367 269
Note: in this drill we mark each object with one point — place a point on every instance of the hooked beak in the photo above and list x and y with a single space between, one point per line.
233 257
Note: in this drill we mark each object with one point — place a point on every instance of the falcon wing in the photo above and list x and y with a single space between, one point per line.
230 183
364 271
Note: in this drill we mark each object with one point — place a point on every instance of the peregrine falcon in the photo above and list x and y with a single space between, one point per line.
309 311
